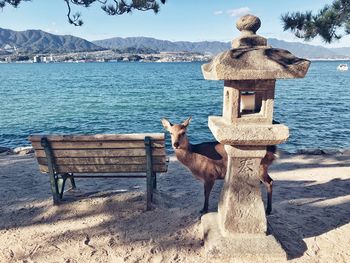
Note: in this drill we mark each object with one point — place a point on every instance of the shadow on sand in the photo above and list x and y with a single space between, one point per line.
113 210
301 209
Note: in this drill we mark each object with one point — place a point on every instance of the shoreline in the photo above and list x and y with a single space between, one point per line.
28 149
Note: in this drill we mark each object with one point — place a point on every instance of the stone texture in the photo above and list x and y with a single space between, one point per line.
231 134
248 23
248 40
242 248
251 58
264 100
245 151
231 104
241 209
255 63
248 85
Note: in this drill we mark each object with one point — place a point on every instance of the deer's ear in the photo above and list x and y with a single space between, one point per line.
166 124
187 122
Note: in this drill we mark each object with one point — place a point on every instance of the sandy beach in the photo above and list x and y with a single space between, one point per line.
106 221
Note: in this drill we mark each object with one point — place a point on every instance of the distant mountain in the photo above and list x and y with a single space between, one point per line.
214 47
37 41
342 51
305 50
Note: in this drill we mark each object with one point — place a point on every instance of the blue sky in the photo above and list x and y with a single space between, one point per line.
191 20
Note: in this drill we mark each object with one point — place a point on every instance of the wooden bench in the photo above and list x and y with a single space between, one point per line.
72 156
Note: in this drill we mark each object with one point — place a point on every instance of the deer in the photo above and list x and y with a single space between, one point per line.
208 161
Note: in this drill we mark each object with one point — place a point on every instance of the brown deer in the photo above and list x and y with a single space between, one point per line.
208 161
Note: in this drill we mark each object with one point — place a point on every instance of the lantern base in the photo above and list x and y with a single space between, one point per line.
241 248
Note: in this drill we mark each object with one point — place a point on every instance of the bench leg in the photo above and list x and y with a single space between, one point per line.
56 183
72 181
149 190
154 179
149 172
55 188
61 183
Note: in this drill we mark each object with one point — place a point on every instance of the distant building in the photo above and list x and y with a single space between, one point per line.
37 59
9 48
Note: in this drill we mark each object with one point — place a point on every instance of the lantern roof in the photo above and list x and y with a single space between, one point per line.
251 58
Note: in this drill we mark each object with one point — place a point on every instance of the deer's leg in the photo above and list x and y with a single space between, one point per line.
268 184
267 181
207 189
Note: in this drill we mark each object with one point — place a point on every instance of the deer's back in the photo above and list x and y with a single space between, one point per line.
211 150
212 157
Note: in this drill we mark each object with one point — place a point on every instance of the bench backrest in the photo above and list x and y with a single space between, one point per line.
102 153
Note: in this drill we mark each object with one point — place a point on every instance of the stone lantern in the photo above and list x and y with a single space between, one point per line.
249 70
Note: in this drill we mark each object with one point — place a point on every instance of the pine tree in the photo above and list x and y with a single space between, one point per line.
330 23
115 7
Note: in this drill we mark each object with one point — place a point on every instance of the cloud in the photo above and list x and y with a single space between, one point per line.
217 13
51 30
239 11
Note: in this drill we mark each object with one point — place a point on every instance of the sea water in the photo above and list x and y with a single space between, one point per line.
90 98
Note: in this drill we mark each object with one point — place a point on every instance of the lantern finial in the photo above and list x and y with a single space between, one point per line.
248 23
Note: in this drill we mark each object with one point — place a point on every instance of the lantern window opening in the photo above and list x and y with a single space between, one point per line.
251 103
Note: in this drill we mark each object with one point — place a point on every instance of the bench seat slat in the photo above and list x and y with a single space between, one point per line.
98 137
133 168
102 160
97 144
101 152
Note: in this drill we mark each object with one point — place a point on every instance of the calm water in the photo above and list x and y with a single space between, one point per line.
133 97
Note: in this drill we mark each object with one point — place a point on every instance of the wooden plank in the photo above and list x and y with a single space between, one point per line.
109 176
98 137
97 144
101 152
102 160
104 168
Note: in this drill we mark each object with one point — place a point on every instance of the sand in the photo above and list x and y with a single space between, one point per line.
105 220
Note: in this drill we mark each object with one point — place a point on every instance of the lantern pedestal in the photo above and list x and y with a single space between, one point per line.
239 247
238 230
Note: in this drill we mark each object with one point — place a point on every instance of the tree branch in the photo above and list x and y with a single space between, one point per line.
330 23
118 7
73 19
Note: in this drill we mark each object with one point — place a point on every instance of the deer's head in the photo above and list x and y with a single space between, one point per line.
179 138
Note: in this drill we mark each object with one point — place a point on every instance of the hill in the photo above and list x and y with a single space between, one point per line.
306 50
38 41
214 47
342 51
